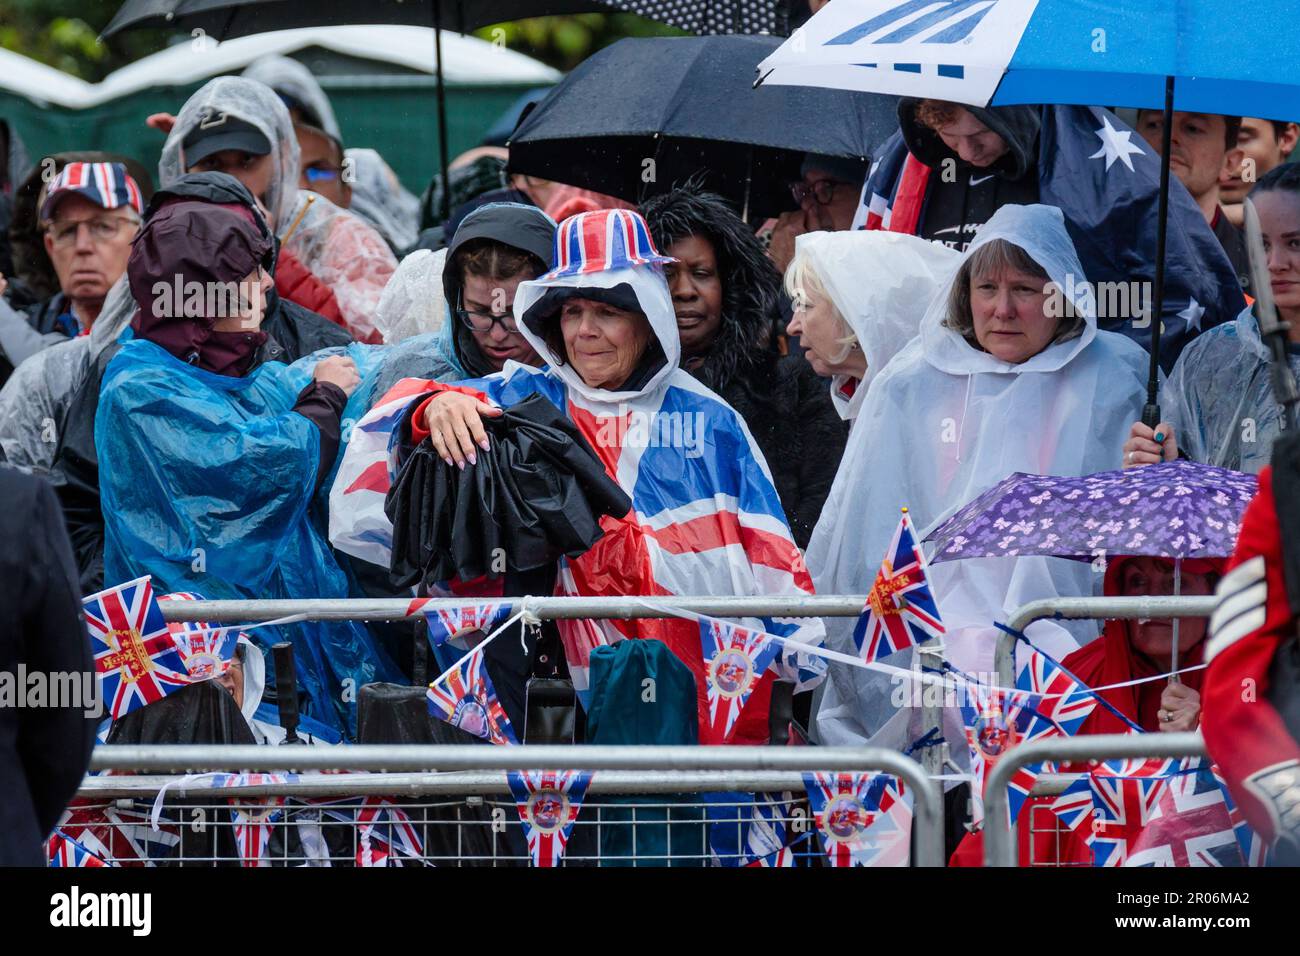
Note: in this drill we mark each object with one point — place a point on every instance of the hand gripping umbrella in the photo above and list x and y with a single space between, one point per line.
1161 54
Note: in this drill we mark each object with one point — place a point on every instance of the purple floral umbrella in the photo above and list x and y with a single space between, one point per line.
1177 509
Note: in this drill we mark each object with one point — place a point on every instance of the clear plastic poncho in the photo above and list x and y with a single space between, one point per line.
379 198
287 76
339 249
1219 397
413 302
207 482
880 283
941 424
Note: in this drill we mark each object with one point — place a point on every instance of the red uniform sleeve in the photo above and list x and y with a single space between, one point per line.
1244 734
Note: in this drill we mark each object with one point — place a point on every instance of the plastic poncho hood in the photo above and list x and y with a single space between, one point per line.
881 284
254 103
630 275
293 81
966 421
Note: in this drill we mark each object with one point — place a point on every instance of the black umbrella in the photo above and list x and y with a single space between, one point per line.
645 114
224 19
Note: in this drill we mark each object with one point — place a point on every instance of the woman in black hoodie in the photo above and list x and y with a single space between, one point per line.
726 295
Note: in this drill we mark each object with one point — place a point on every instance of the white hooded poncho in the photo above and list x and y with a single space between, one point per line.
880 282
941 424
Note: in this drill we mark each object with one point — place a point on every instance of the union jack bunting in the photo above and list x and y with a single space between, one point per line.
781 857
206 650
135 654
120 836
601 240
465 698
385 834
901 609
548 802
254 818
735 659
448 624
864 819
994 721
1060 703
65 851
1110 811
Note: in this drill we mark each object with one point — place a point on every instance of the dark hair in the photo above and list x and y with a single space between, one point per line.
1282 178
491 259
751 286
1231 126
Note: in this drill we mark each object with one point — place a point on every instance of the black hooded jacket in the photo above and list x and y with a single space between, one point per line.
785 405
963 197
521 227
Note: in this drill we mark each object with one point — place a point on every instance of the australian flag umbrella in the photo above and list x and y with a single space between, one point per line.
645 114
1172 55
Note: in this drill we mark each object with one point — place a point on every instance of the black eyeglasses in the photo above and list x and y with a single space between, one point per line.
482 321
823 191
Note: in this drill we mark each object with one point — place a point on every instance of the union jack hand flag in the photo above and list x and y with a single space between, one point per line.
995 722
120 835
1196 826
901 609
136 656
1111 810
735 659
865 819
254 818
548 801
465 698
448 624
65 851
206 650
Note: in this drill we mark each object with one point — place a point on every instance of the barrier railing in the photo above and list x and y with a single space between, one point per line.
472 771
1084 608
1000 840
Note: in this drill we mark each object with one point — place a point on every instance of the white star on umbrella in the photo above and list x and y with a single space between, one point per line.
1116 145
1192 315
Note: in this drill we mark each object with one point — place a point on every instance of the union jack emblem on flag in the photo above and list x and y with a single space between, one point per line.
548 802
255 818
994 722
1111 810
465 698
735 659
206 650
901 610
1060 703
65 851
385 834
136 656
448 624
865 819
601 240
1197 825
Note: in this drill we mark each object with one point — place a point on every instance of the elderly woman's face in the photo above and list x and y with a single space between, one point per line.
821 331
1009 313
1145 576
603 343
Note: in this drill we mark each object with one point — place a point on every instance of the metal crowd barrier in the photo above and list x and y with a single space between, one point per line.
465 812
1099 608
1001 840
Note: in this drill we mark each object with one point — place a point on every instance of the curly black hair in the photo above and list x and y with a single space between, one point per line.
751 286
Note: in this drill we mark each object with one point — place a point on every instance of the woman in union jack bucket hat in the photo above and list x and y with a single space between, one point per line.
705 518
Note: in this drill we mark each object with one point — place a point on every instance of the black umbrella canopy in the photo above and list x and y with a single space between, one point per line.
233 18
645 114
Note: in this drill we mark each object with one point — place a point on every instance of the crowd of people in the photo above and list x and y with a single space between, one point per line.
222 371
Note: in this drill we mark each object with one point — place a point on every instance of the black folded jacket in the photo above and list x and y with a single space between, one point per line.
537 493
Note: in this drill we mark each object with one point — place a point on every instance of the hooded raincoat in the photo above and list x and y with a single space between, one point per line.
206 479
881 284
705 518
340 250
1219 397
379 198
942 423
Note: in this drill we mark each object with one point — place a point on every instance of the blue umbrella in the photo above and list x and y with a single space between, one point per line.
1191 55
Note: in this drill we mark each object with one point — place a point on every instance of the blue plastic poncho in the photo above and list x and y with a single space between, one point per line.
206 483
